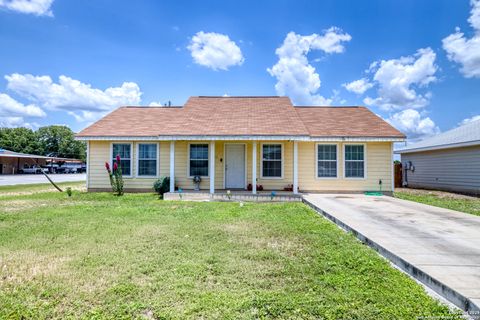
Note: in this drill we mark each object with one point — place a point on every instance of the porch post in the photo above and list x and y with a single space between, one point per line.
172 166
212 167
295 167
254 167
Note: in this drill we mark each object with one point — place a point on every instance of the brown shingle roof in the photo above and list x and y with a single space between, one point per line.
345 122
240 116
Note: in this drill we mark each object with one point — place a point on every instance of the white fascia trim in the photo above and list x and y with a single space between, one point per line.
117 138
355 139
444 146
233 138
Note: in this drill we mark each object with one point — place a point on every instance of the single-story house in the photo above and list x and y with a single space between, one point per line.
242 142
449 161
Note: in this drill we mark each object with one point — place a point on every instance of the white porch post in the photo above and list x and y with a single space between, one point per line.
212 167
88 163
172 166
254 168
295 167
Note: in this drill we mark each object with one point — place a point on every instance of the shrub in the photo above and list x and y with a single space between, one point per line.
116 178
69 191
162 185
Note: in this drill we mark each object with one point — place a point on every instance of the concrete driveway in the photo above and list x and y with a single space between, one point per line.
439 247
8 180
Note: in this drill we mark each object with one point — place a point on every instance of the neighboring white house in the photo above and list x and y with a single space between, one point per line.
448 161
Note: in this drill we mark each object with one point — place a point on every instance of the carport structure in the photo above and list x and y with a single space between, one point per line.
11 162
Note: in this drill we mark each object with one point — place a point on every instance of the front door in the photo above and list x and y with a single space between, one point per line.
235 166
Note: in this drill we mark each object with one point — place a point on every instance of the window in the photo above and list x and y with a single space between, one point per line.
271 160
147 159
199 160
326 161
354 161
124 150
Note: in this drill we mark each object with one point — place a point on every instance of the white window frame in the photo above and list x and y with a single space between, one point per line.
281 160
337 161
189 158
364 161
137 147
131 157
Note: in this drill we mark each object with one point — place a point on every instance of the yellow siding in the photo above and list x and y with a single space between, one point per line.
99 153
379 166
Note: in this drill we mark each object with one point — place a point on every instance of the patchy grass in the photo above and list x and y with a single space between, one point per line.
442 199
21 189
101 256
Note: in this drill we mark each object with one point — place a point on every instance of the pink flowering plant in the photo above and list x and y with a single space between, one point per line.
115 175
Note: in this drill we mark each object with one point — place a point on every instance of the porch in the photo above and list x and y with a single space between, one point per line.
248 167
235 195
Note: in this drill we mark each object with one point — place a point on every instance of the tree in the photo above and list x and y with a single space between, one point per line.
19 140
57 141
60 141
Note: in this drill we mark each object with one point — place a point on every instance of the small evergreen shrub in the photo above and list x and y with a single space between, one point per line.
162 185
69 191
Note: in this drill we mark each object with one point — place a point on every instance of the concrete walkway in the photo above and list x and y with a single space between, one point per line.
439 247
12 179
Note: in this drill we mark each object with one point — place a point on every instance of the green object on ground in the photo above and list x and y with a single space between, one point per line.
373 193
100 256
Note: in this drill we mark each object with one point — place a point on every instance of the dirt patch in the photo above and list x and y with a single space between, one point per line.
27 204
35 189
23 266
254 236
240 227
439 194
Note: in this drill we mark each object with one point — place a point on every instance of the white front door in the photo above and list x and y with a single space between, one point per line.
235 166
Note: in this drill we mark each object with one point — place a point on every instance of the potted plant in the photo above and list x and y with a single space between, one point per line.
196 181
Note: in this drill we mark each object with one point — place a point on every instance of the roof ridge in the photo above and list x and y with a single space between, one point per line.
239 97
330 107
163 107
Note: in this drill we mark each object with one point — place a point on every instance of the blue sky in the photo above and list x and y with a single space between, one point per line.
59 58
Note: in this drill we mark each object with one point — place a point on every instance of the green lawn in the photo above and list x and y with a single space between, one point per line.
38 187
444 200
100 256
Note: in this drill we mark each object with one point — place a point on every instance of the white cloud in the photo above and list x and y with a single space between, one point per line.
296 77
358 86
78 99
36 7
215 51
468 120
398 80
155 104
14 122
412 123
463 50
11 107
